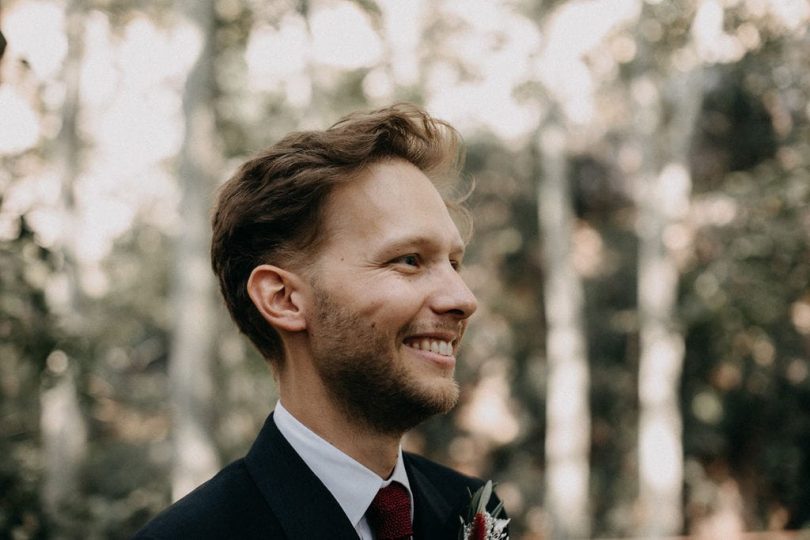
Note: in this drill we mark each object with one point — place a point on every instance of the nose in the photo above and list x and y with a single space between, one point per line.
452 296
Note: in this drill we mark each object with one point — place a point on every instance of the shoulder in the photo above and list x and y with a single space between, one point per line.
229 505
441 496
456 487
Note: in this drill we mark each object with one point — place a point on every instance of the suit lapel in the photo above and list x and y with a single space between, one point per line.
300 501
434 518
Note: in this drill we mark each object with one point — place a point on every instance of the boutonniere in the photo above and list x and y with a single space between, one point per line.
480 524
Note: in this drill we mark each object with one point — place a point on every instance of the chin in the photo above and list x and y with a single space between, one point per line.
441 394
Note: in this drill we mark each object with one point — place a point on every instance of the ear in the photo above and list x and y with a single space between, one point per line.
277 294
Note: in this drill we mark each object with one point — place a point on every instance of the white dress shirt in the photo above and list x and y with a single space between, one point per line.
351 483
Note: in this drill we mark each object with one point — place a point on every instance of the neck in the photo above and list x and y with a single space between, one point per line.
307 400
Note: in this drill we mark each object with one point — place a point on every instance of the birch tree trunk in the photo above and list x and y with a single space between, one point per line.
64 445
567 408
663 201
62 425
190 369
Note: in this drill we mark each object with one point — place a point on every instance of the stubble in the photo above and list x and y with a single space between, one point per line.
364 374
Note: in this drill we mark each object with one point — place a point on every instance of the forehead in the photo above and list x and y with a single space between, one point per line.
391 199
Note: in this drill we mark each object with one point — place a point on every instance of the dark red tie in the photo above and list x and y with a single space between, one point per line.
390 513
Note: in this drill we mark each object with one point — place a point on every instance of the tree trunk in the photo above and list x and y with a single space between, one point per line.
663 201
567 410
191 357
64 442
62 425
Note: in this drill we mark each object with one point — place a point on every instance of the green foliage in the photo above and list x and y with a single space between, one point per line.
26 337
744 348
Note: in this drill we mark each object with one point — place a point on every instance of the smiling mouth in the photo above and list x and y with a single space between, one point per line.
436 346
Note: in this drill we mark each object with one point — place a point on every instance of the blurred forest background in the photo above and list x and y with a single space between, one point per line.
639 365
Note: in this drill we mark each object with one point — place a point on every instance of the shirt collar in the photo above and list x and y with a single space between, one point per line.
352 484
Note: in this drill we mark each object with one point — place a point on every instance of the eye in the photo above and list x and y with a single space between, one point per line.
455 264
410 259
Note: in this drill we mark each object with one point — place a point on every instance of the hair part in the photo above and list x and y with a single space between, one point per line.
270 211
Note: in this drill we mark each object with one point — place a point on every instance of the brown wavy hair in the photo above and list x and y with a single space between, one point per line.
270 210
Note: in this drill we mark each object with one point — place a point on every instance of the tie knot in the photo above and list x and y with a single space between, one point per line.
390 513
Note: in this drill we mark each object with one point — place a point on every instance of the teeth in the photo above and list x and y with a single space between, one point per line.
433 345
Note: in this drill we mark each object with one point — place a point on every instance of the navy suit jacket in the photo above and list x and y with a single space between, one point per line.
272 494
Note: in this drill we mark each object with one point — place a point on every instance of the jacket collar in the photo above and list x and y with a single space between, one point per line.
302 504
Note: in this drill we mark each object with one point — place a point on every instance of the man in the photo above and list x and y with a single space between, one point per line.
338 257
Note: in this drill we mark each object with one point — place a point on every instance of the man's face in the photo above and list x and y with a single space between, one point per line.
390 306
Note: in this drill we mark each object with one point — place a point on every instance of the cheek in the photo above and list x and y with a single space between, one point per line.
392 306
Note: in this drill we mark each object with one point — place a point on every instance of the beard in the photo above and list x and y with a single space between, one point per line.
364 374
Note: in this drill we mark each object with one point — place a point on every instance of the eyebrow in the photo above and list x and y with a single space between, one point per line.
406 242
